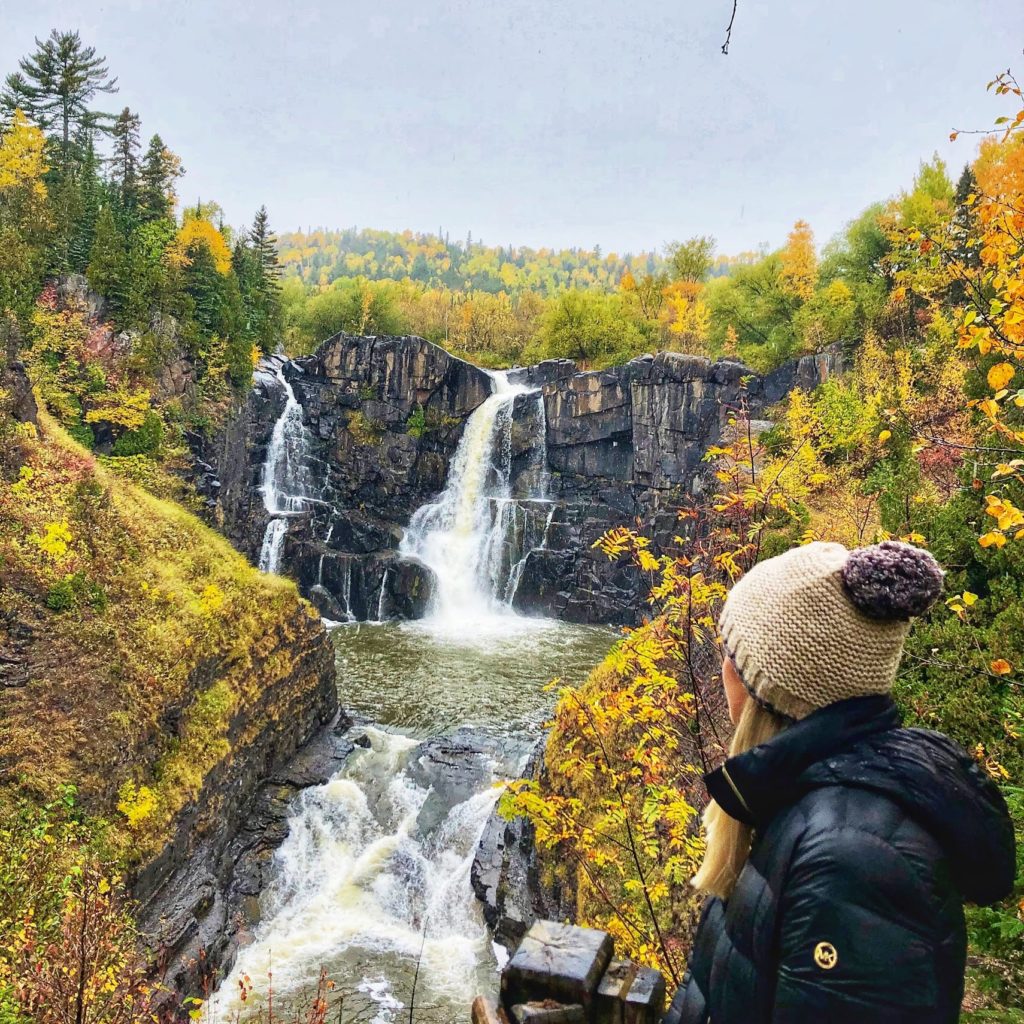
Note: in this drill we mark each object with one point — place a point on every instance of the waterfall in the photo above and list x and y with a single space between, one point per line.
346 591
381 608
516 573
368 887
286 483
468 535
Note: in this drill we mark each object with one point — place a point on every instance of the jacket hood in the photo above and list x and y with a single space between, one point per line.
859 743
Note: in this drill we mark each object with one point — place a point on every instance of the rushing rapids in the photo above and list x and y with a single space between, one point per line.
373 881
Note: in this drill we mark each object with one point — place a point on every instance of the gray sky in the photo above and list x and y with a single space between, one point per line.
548 122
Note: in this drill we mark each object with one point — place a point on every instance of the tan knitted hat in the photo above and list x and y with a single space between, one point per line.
819 624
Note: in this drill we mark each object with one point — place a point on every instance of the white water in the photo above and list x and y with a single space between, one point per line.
464 535
286 483
367 884
363 891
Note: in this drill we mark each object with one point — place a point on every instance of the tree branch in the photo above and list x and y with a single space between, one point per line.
728 31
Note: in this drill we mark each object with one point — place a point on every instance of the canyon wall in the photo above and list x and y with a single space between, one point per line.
384 415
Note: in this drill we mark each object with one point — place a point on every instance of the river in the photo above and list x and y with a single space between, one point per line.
374 874
372 883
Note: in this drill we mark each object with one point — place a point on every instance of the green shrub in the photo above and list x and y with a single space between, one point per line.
143 441
75 591
83 434
416 426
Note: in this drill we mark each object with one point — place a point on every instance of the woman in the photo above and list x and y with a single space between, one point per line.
840 846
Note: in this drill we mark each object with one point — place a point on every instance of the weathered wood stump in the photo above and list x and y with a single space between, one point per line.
561 974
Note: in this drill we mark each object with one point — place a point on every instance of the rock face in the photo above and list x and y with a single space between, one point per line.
16 398
197 898
505 874
384 416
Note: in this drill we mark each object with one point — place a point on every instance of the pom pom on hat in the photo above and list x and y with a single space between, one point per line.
892 581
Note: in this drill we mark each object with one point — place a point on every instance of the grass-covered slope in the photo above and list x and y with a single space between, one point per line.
139 650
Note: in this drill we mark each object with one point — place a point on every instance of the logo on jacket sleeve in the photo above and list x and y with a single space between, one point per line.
825 956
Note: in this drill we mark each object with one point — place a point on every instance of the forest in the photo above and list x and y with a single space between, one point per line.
138 323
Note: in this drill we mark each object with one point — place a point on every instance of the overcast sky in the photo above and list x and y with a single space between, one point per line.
548 122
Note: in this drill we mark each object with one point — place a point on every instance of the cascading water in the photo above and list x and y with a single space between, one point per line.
287 487
372 882
369 881
376 864
468 536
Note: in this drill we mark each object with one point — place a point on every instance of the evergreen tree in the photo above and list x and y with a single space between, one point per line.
160 169
55 85
107 260
204 284
67 204
124 164
91 195
259 272
264 244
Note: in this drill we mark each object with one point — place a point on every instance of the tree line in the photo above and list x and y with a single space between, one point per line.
80 194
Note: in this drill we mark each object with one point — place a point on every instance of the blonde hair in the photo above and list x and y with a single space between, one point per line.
727 841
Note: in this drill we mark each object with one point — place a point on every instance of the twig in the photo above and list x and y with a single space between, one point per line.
728 31
416 973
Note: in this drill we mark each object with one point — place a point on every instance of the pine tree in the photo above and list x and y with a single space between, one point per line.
258 271
204 284
124 164
91 192
264 244
106 270
160 169
55 85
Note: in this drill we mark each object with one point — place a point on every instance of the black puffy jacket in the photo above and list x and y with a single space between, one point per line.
868 838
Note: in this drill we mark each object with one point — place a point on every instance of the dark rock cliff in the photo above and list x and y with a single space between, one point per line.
198 897
622 446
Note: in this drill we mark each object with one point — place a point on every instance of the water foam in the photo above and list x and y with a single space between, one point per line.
357 884
471 536
286 484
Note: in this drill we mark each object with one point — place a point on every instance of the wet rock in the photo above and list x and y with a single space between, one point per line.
504 873
452 770
16 395
191 895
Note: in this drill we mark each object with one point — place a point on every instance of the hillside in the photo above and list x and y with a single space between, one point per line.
151 677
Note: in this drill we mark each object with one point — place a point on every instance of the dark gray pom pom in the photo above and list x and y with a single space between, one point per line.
892 580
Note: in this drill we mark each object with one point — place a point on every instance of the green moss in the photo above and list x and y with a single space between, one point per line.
149 616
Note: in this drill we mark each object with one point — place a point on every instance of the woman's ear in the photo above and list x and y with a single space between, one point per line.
735 692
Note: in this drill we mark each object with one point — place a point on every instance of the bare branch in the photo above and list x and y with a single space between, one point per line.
728 31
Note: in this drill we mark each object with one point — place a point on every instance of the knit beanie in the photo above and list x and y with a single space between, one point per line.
819 623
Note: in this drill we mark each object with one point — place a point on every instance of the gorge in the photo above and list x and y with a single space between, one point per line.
441 517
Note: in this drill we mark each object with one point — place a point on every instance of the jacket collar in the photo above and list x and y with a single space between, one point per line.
754 786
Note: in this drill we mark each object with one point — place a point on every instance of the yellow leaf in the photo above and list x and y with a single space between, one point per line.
885 435
992 539
1001 667
1000 375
